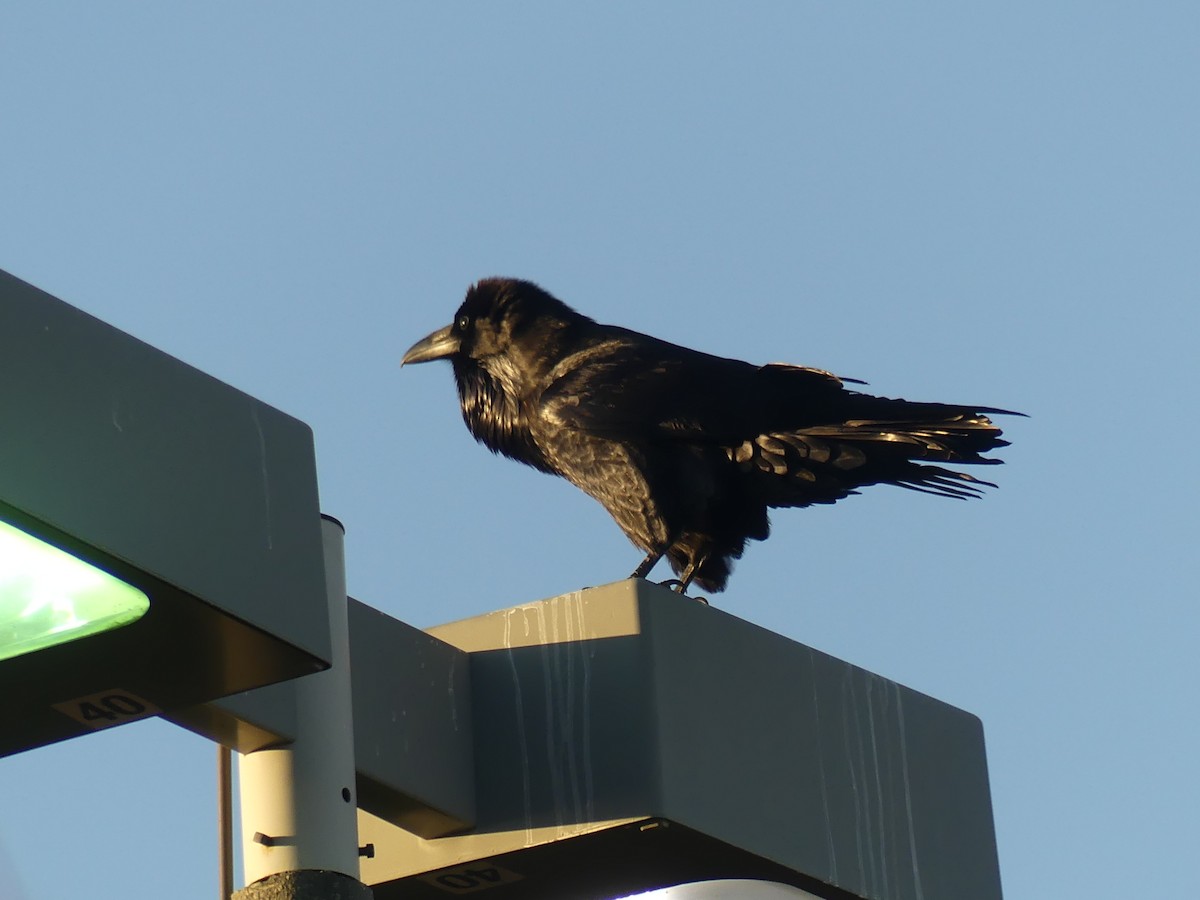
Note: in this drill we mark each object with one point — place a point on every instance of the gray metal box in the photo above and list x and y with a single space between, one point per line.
626 738
204 497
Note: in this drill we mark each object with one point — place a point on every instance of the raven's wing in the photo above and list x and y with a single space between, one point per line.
797 434
630 386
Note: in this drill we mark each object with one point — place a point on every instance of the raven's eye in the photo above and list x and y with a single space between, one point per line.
463 322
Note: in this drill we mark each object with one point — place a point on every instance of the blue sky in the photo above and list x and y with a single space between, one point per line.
981 203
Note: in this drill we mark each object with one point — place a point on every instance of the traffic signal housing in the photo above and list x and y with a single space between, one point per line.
188 504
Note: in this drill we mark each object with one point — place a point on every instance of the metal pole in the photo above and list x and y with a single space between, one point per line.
225 821
297 802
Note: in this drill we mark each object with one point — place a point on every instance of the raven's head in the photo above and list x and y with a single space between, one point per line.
505 338
500 317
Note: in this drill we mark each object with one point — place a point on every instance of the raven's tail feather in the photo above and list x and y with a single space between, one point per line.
902 444
945 482
824 463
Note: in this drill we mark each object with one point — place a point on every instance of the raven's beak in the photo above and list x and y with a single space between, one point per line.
439 345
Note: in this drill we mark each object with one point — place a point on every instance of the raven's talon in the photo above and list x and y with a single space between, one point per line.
681 589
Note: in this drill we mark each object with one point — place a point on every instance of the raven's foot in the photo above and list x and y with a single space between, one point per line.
690 572
680 588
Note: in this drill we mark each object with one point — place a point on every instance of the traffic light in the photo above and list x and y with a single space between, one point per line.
49 597
160 540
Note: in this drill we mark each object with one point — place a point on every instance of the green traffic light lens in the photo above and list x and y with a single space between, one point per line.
49 597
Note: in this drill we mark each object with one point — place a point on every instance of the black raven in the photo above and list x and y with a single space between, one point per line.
685 450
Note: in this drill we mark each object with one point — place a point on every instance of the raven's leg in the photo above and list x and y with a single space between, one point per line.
648 563
690 572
